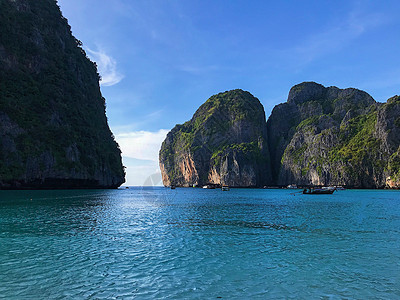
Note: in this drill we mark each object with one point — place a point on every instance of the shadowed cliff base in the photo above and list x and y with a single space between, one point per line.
57 183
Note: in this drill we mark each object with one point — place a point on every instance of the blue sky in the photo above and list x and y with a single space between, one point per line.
161 59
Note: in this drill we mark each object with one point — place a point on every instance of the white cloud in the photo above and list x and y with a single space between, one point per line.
140 156
148 175
143 145
107 67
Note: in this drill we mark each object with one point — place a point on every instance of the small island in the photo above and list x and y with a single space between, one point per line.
319 136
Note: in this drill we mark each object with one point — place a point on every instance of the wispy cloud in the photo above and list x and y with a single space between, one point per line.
196 70
143 145
107 67
339 36
140 122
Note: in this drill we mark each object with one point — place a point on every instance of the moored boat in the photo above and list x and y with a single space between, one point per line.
319 191
339 188
209 186
225 188
292 186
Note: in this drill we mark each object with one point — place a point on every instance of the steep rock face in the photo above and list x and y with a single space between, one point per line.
388 130
224 143
53 128
329 136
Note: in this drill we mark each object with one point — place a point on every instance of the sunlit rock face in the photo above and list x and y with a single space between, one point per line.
319 136
225 143
331 136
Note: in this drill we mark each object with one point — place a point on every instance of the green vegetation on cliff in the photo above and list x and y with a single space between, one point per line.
51 109
215 117
332 136
394 166
320 136
251 150
228 127
356 140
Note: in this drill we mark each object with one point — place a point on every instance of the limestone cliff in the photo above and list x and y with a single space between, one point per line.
53 127
225 143
330 136
320 136
388 130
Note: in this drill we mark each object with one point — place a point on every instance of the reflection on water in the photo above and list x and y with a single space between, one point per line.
192 243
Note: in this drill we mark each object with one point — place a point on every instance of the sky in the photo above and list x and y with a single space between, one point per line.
161 59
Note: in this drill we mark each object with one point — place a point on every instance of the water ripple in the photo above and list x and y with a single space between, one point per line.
196 244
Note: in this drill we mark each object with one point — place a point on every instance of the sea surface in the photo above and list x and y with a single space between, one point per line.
157 243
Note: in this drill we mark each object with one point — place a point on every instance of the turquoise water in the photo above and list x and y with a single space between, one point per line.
156 243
